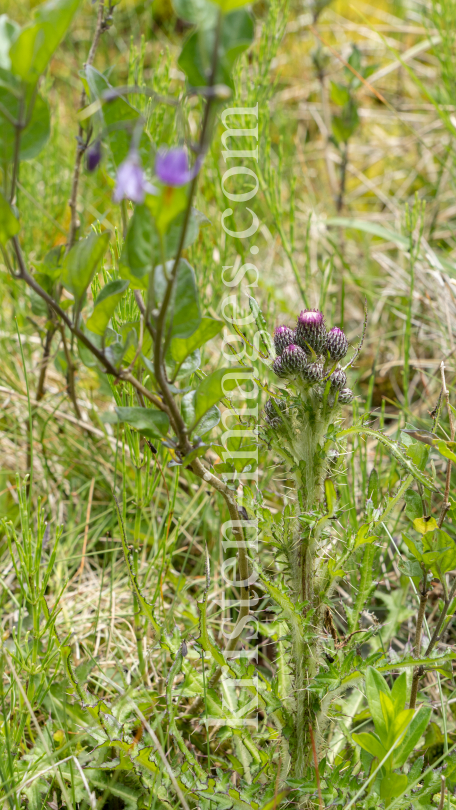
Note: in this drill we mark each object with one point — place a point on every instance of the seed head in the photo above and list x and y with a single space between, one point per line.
338 379
294 359
278 368
283 336
272 417
345 396
337 343
313 372
311 330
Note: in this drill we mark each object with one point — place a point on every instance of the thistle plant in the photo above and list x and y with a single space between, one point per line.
299 421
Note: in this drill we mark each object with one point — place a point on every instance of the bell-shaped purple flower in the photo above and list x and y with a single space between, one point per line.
172 169
131 183
93 155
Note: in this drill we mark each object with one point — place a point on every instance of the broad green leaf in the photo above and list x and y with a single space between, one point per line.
167 205
413 504
370 743
400 722
445 451
190 364
34 136
9 225
141 251
149 422
210 391
392 785
414 546
33 48
8 32
207 422
276 801
207 329
82 262
184 314
399 692
196 56
375 686
425 525
344 124
230 5
340 94
196 12
105 306
387 707
412 736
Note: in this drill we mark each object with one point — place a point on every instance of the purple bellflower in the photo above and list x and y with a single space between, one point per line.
172 169
131 183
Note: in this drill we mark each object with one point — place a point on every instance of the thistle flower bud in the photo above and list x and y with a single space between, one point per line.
345 396
311 330
283 336
270 411
294 359
278 368
338 379
336 344
313 372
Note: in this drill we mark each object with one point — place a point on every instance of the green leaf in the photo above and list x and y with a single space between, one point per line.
412 736
33 48
445 451
361 538
141 250
151 423
392 785
373 489
8 32
394 449
82 261
370 227
167 205
413 504
9 225
370 743
184 314
105 306
34 136
196 56
344 124
399 693
211 391
424 525
230 5
339 94
196 12
207 422
182 347
375 686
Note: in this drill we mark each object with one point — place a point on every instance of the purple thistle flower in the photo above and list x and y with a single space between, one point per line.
294 359
337 343
311 330
131 183
171 167
338 379
283 336
278 368
346 396
93 155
